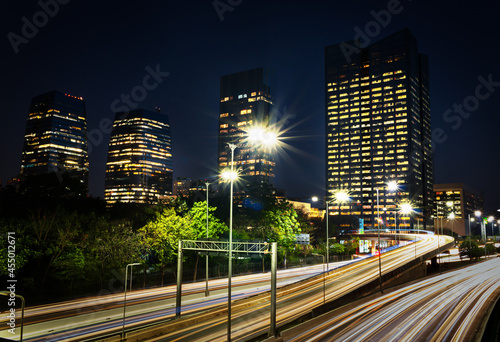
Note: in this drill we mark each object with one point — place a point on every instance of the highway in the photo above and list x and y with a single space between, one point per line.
300 290
65 320
446 307
250 317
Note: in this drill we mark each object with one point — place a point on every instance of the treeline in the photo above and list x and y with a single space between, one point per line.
73 246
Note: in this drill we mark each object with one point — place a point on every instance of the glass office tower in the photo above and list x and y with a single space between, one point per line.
139 166
56 138
245 103
378 130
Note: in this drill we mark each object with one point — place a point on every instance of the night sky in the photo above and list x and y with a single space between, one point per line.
102 50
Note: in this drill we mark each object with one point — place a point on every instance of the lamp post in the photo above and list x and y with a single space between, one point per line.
125 295
483 230
470 236
393 187
206 257
451 217
230 176
407 209
341 196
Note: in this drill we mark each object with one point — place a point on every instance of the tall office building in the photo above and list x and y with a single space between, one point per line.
378 129
245 106
139 166
56 137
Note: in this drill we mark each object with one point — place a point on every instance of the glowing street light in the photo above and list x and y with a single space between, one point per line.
262 136
406 208
230 176
392 185
339 196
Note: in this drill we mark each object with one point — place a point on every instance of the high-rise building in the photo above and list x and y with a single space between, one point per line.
455 204
245 107
56 137
139 166
378 129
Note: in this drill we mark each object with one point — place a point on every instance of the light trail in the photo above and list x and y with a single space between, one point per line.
300 291
447 307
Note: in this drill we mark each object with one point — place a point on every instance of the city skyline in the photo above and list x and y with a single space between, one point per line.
174 73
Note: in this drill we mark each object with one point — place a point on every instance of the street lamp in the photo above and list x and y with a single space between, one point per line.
206 257
392 185
231 176
125 299
471 219
407 209
483 231
451 217
340 196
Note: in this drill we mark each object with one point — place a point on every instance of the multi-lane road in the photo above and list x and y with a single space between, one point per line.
205 318
446 307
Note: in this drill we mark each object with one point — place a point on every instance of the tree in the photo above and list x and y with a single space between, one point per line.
197 218
110 247
161 236
469 248
279 224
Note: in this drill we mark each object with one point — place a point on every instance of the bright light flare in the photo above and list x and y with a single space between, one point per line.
490 219
477 213
262 136
315 199
229 175
392 185
341 196
449 204
406 208
451 216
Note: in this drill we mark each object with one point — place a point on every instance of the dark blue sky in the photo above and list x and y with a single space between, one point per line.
101 50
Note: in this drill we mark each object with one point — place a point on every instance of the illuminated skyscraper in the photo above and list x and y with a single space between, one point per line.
139 166
245 105
378 128
56 137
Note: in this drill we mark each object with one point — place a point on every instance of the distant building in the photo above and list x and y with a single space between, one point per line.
378 128
56 137
185 186
307 209
139 166
245 103
457 199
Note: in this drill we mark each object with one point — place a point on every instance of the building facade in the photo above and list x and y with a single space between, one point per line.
55 140
378 130
245 106
455 204
139 165
184 186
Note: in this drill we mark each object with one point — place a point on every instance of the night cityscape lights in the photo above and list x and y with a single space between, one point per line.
56 137
378 125
139 167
